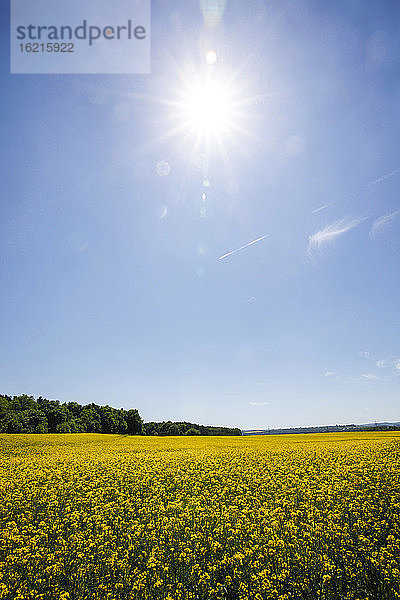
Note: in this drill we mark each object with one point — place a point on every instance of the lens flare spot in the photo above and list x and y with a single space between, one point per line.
163 168
211 57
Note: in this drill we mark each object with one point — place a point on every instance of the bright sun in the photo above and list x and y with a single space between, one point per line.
208 110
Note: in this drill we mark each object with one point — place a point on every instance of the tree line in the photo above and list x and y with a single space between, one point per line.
185 428
25 414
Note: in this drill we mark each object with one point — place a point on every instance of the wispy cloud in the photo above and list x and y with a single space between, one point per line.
243 247
346 379
317 210
384 177
329 373
331 232
382 223
370 376
258 403
84 247
389 362
364 354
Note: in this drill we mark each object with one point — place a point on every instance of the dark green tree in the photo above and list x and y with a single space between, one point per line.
34 421
134 422
193 431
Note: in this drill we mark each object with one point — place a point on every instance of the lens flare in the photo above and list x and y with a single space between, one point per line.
211 57
208 110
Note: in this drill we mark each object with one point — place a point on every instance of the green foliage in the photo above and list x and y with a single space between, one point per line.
63 427
24 414
34 421
193 431
134 423
13 424
183 428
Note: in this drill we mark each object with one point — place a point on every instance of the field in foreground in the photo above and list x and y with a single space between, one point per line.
90 517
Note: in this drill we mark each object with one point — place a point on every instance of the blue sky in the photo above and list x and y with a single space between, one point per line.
112 290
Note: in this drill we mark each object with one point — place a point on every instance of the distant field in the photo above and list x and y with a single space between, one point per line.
90 516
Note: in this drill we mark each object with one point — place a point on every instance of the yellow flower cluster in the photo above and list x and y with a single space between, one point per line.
96 517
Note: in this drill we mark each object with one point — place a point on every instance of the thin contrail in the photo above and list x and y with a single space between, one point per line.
242 247
316 210
384 177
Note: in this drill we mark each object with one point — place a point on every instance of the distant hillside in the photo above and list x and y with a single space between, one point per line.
325 429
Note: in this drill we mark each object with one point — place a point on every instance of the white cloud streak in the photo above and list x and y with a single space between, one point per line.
370 376
329 373
331 232
243 247
258 403
384 177
382 223
317 210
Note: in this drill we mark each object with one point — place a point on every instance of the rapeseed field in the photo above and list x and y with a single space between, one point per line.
96 517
